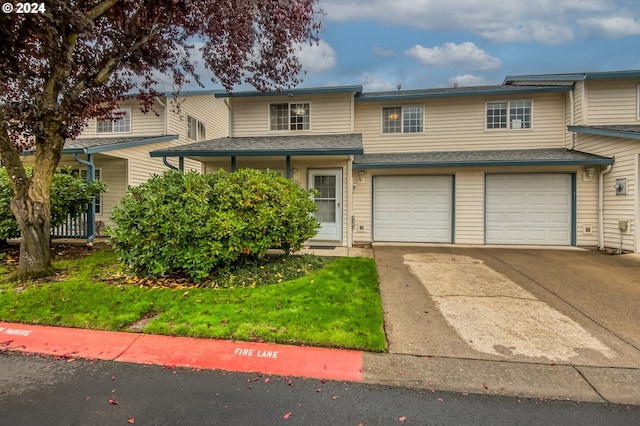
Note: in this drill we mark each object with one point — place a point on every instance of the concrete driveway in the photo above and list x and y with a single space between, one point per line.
538 323
545 306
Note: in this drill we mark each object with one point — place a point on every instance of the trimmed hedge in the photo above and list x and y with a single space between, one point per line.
196 223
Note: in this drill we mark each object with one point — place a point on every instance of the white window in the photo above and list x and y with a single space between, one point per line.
509 115
83 174
285 116
196 130
119 125
403 119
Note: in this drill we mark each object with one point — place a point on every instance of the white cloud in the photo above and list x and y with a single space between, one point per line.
469 80
612 26
466 56
546 21
375 82
381 51
317 58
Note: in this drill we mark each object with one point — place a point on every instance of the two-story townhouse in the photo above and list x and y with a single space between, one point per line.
522 163
603 117
470 165
306 135
117 152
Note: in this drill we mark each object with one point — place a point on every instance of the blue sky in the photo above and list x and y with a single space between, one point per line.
436 43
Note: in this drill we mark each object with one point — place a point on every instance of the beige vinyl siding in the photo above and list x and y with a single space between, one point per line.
113 172
579 103
586 208
362 207
459 124
328 114
206 108
142 124
613 101
141 166
469 204
617 207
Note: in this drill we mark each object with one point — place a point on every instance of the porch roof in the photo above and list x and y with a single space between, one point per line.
629 131
335 144
103 144
519 157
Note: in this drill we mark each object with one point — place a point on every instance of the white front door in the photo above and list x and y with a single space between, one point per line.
328 183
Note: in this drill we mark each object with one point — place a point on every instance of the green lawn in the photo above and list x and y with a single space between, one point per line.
335 303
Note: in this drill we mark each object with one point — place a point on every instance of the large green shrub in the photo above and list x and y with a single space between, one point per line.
71 195
197 223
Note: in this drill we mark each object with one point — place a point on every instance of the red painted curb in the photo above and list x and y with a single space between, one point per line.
262 358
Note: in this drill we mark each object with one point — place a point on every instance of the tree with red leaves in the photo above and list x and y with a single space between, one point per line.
77 59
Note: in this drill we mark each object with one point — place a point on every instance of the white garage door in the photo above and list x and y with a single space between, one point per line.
528 209
412 208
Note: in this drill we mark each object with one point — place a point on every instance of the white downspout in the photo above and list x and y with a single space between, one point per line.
572 119
601 206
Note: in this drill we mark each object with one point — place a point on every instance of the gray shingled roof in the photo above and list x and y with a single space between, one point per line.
519 157
614 130
335 144
101 144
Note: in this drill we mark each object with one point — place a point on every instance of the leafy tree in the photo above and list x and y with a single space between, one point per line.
197 223
71 195
79 58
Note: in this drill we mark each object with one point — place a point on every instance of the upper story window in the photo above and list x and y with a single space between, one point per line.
509 115
403 119
196 130
289 116
120 125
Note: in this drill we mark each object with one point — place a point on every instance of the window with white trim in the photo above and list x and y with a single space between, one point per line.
403 119
119 125
289 116
83 174
196 130
509 115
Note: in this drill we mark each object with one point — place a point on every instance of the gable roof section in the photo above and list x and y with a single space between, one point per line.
447 92
516 157
103 144
615 131
334 144
297 91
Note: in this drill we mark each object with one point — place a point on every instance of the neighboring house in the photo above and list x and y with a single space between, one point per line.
118 151
517 164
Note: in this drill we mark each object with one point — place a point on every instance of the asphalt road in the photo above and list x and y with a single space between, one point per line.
37 390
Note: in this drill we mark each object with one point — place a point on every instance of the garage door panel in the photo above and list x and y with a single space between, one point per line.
528 209
412 208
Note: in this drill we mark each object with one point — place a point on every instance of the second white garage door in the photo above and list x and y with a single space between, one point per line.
528 209
412 208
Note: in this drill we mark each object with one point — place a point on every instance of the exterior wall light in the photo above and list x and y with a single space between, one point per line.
361 176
